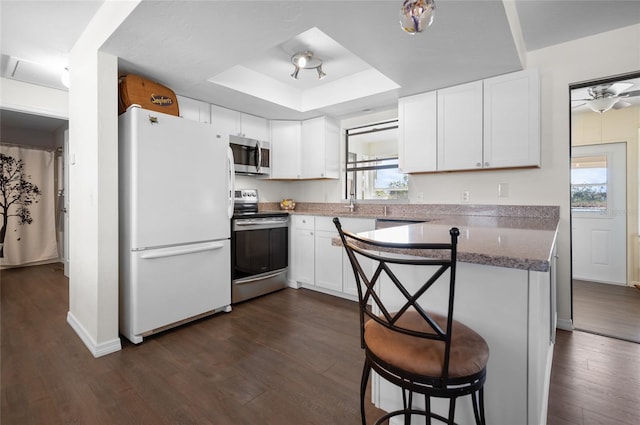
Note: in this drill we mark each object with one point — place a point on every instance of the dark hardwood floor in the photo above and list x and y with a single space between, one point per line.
610 310
292 357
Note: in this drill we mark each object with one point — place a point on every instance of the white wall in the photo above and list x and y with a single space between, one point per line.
561 66
93 191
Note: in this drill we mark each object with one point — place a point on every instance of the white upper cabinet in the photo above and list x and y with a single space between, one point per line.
320 149
194 110
254 127
227 121
512 120
417 133
285 149
494 123
460 126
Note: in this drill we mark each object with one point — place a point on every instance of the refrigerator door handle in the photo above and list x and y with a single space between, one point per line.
173 252
231 175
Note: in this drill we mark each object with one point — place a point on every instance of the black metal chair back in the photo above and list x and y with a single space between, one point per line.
420 350
443 256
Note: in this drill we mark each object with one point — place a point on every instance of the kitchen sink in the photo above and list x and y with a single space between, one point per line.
384 223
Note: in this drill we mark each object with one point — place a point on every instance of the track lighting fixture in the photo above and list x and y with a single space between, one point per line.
305 60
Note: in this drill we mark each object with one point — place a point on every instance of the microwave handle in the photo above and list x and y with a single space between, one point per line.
259 152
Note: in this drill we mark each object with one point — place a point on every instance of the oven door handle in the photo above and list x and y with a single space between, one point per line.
261 277
260 223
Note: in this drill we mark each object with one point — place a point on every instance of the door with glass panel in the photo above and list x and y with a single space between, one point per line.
598 212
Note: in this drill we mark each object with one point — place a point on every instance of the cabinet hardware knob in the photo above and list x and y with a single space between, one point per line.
478 164
486 164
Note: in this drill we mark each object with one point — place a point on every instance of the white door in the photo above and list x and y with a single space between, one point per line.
598 212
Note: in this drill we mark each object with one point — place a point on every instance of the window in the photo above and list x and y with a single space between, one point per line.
372 163
589 184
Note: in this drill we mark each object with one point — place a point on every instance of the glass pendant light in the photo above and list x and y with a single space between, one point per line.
416 15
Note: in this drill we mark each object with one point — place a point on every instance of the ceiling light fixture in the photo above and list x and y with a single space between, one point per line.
602 104
305 60
416 15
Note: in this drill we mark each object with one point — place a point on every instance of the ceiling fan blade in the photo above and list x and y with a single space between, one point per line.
577 106
621 104
630 93
617 88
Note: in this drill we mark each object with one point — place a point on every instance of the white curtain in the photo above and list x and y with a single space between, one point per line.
27 206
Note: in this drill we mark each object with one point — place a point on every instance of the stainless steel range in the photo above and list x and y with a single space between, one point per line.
259 248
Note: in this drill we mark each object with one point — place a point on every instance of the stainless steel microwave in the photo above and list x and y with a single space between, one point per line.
250 156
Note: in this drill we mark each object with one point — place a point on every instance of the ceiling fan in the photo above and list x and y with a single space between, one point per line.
603 97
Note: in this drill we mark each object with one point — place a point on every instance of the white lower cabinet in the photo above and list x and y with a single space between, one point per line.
328 257
316 262
302 249
354 225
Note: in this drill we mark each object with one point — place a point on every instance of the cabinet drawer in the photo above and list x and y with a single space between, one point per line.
325 224
356 225
305 222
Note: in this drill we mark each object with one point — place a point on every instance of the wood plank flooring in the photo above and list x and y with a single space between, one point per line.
610 310
594 380
288 358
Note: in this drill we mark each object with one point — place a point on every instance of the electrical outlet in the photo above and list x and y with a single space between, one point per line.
420 196
465 196
503 190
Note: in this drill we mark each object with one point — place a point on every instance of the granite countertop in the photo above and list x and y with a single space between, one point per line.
519 243
512 236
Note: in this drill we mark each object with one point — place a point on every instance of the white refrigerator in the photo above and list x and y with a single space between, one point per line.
175 205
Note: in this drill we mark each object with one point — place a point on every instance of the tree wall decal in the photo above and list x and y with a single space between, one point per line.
16 194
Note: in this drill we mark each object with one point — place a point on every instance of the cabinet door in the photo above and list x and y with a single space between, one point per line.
355 225
417 133
254 127
225 122
303 264
328 261
460 127
512 120
320 149
285 149
195 110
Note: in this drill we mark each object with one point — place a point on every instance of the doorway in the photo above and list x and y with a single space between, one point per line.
604 204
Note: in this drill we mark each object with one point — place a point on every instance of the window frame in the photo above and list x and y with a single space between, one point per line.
594 213
390 124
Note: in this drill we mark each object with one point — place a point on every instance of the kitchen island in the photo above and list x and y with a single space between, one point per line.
505 291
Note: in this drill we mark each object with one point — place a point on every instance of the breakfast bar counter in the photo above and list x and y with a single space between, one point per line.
505 291
514 242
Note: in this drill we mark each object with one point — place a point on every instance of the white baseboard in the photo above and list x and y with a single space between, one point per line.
293 284
565 324
98 350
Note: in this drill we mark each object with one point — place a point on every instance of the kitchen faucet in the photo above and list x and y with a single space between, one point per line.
352 203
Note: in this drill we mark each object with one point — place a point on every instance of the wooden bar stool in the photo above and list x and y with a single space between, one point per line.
418 350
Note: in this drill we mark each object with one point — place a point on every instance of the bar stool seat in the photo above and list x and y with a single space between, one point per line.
469 351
